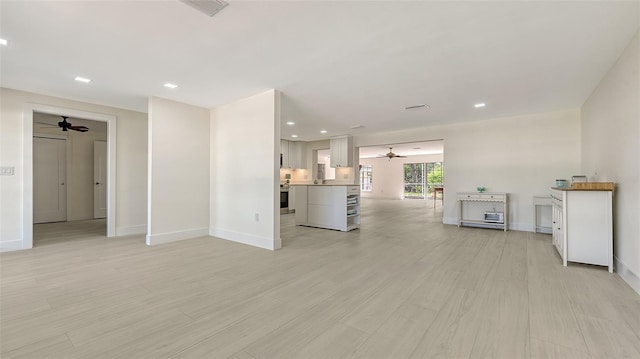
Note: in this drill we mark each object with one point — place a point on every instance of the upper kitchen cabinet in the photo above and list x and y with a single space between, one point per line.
342 151
293 154
297 155
284 154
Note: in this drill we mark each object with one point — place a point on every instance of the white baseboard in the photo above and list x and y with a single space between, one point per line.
245 238
176 236
627 274
8 246
131 230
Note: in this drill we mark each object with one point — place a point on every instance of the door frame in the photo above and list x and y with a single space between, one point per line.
94 175
27 161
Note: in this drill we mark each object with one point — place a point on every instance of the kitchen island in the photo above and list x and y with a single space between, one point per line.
329 206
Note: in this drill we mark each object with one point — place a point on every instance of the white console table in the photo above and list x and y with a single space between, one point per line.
545 202
473 206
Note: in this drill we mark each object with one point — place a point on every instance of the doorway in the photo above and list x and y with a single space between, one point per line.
69 182
28 158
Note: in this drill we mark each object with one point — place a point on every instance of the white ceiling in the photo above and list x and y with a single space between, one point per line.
338 64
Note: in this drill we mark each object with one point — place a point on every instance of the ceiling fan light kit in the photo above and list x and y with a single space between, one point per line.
66 126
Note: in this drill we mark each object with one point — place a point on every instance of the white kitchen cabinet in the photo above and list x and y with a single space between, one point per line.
301 204
328 206
297 155
342 152
557 229
293 154
292 199
284 154
583 226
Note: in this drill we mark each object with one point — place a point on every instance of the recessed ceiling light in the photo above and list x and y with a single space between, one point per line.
323 131
169 85
82 79
478 105
3 42
291 123
294 136
422 106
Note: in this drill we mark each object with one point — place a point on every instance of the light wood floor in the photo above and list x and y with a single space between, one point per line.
58 232
404 285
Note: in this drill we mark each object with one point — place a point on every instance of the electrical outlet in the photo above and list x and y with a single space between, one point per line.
346 176
6 171
257 217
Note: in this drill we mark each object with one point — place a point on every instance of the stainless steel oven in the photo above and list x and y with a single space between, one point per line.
284 200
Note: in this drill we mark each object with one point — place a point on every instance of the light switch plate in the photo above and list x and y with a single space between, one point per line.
7 171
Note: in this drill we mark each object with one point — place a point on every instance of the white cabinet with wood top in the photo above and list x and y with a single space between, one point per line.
583 226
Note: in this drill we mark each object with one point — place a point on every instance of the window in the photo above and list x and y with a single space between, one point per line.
421 178
435 176
414 180
366 178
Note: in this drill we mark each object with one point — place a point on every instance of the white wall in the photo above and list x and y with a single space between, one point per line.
80 185
610 152
178 205
388 175
245 151
521 155
131 163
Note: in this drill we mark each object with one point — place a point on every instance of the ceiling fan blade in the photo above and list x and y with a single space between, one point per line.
46 124
78 128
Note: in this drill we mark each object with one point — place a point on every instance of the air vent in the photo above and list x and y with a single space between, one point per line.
354 127
423 106
209 7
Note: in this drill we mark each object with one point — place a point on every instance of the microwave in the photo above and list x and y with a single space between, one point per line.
494 217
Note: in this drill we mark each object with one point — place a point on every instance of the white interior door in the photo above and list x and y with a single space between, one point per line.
49 180
100 179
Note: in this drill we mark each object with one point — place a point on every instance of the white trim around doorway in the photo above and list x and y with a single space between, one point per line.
27 161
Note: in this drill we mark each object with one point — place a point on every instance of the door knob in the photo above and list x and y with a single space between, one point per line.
97 183
62 184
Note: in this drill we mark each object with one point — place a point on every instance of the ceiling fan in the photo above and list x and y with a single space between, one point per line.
391 155
66 126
